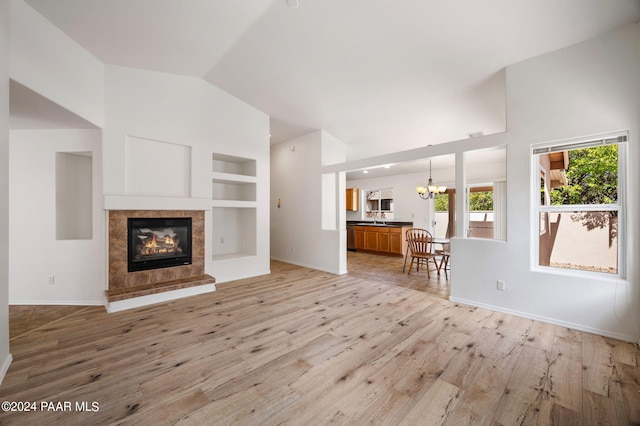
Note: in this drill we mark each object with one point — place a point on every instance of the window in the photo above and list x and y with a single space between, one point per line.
480 208
379 203
485 196
579 204
445 218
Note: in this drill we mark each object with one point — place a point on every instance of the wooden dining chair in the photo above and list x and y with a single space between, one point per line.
420 245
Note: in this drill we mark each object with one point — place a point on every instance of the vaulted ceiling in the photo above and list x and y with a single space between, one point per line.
380 75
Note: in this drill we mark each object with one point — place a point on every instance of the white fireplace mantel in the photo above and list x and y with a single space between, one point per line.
134 202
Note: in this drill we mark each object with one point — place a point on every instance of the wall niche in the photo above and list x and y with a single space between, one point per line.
74 195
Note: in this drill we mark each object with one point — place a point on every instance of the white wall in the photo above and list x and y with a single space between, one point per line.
582 90
36 254
296 227
5 356
156 118
47 61
158 168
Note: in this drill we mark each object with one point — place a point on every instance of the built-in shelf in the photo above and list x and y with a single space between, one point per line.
234 188
232 165
231 256
232 178
234 204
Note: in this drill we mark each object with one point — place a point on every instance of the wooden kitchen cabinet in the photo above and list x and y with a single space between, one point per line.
371 240
353 195
396 239
359 232
381 239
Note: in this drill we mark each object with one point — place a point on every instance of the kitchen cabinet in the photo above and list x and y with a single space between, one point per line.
371 240
353 195
396 238
381 239
359 232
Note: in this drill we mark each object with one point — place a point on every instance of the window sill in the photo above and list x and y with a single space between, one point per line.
573 273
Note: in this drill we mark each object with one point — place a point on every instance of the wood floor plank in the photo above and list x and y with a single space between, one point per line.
599 410
300 346
427 368
529 385
481 398
565 377
435 405
388 409
600 373
630 387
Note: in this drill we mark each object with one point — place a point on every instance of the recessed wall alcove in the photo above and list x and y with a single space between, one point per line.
125 285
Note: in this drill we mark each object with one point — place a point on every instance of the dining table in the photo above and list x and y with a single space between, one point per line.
443 242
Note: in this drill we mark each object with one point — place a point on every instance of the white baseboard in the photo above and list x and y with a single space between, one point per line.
58 302
553 321
5 367
151 299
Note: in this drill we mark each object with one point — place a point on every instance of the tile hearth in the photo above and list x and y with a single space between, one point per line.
159 287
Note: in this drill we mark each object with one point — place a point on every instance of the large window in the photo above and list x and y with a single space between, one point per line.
579 204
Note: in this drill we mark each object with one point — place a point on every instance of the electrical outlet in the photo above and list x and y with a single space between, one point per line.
52 279
500 285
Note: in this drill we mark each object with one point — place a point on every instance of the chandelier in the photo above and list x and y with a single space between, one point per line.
428 192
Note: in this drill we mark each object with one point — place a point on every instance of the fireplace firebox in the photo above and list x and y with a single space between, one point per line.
158 243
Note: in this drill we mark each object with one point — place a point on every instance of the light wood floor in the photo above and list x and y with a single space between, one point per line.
389 270
304 347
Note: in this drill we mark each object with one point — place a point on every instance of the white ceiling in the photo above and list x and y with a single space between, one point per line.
380 75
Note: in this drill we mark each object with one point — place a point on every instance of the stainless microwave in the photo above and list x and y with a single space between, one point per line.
386 204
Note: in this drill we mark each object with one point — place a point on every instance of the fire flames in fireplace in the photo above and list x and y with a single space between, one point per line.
158 243
152 244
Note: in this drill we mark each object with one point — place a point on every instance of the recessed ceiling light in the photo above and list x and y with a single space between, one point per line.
365 171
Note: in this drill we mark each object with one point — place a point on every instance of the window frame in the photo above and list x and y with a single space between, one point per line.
621 140
379 211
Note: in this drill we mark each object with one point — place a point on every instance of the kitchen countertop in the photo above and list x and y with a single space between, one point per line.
378 223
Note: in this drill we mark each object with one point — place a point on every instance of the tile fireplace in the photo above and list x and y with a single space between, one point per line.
155 251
